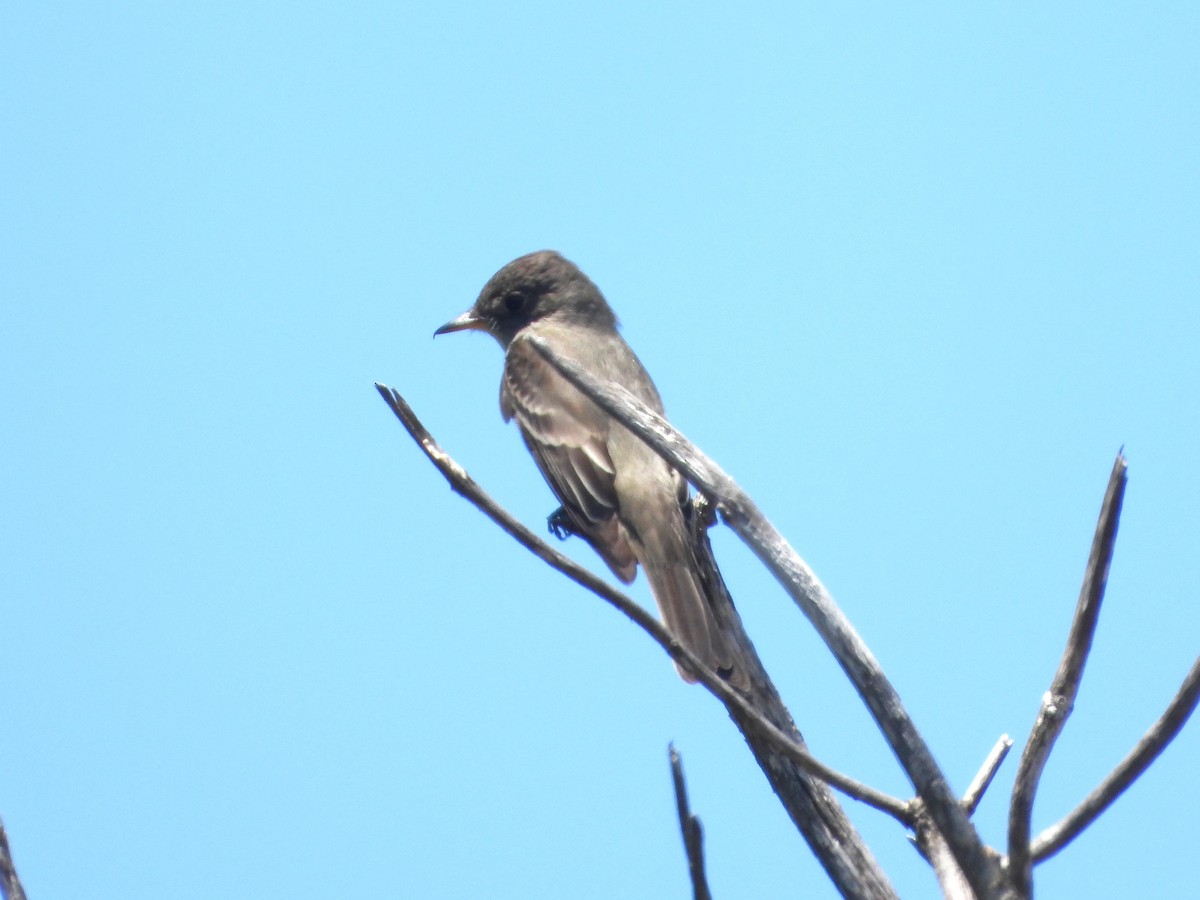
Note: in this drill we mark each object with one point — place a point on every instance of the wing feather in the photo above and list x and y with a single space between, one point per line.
567 434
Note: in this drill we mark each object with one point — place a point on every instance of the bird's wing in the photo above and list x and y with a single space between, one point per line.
567 434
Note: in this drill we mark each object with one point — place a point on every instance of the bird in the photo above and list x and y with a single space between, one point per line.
616 493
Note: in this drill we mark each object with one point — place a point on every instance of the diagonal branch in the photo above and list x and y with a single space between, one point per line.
934 848
844 863
1058 702
689 825
983 778
10 884
463 484
822 822
1153 743
743 516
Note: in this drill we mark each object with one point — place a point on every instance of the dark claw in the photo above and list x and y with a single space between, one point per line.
560 524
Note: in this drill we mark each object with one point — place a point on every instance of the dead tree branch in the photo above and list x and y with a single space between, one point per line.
935 849
1058 702
851 652
836 843
983 778
689 826
10 884
1153 742
781 772
944 833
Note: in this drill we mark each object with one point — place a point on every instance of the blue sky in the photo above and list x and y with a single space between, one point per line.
911 275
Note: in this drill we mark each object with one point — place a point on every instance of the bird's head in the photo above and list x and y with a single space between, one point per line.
531 288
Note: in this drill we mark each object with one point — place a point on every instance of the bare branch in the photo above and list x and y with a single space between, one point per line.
1059 701
932 846
812 807
847 875
464 485
935 849
983 778
1153 743
810 595
689 825
10 884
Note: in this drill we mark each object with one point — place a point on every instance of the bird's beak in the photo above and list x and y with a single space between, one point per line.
468 321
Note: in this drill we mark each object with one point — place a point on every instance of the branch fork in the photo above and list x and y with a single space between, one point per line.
943 832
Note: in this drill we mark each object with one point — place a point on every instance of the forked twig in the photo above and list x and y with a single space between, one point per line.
1153 742
965 868
1059 701
851 652
929 841
463 484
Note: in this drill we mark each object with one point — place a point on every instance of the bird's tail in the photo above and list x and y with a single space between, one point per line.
671 570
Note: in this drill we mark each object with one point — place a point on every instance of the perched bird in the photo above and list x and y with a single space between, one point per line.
616 493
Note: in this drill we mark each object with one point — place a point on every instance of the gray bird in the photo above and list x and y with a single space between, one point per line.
616 493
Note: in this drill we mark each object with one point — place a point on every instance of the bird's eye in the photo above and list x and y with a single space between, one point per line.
514 301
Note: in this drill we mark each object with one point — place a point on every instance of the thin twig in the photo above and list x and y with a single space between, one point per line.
464 485
926 839
810 595
689 826
1058 702
10 884
1153 742
983 778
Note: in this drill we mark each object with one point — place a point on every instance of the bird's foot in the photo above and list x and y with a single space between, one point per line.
560 524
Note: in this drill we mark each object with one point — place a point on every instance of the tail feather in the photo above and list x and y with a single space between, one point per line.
670 569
